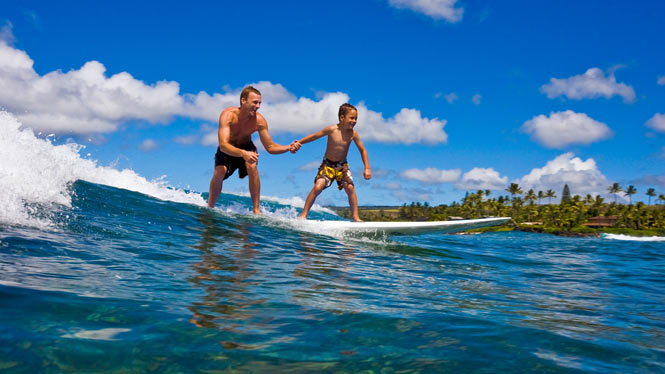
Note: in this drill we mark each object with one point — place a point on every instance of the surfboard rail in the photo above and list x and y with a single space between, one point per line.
407 228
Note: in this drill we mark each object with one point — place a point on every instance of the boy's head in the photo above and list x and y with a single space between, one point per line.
346 110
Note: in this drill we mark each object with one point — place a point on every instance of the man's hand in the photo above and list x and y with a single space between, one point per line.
294 146
250 157
367 174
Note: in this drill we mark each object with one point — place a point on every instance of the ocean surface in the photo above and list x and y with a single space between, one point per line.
103 271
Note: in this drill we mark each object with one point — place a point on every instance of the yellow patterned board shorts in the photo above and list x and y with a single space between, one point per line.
335 171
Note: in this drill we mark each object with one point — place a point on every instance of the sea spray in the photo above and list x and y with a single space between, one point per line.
35 176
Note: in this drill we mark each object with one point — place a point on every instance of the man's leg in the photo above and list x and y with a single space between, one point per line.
353 201
216 185
319 185
254 186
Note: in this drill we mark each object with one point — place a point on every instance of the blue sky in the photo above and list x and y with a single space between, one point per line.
454 96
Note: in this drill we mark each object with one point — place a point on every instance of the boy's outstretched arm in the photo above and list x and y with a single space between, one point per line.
367 173
316 135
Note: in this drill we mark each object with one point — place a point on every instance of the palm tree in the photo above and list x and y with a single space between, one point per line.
541 194
549 195
661 197
651 193
514 189
630 191
530 196
615 188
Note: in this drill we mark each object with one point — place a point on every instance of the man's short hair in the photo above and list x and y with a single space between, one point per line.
345 108
245 92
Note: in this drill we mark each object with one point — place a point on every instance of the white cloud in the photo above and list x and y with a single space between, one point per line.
661 80
582 177
450 98
482 179
437 9
657 122
431 175
7 33
590 85
148 145
312 165
652 180
86 101
561 129
476 99
186 139
393 186
80 101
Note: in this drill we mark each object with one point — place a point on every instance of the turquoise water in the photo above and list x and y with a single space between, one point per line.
123 282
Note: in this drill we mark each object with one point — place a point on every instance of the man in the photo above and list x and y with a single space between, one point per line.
236 150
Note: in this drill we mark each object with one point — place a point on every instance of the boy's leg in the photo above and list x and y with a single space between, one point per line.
353 201
216 185
254 186
319 185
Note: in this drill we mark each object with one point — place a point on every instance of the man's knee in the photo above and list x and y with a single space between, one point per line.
252 168
219 172
349 188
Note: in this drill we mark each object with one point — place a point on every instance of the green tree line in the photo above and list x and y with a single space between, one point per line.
535 207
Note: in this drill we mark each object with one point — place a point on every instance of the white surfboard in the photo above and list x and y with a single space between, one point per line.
407 228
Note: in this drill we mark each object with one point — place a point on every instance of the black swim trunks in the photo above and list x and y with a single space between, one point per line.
335 171
232 163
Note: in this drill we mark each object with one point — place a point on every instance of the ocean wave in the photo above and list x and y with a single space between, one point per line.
634 238
36 175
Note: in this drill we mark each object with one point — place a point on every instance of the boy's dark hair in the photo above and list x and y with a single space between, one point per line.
345 108
245 92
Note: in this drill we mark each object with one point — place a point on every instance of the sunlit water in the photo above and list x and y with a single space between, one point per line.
103 271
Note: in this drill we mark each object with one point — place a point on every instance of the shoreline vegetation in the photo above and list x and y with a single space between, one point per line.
574 216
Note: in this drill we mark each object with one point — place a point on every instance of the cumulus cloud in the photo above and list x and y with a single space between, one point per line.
148 145
657 122
87 101
661 80
431 175
476 99
561 129
582 177
590 85
482 179
437 9
80 101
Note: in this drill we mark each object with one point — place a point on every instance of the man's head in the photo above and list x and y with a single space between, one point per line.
348 113
250 99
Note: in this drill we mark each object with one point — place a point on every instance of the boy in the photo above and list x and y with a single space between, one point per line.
334 165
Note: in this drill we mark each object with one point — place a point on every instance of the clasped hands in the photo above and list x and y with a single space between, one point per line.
294 146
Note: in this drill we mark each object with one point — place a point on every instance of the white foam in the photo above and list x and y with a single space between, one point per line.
295 201
35 176
633 238
108 334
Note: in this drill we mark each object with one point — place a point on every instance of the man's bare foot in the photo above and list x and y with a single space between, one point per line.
257 211
302 217
357 220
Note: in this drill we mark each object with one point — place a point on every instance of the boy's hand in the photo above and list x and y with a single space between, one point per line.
367 174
